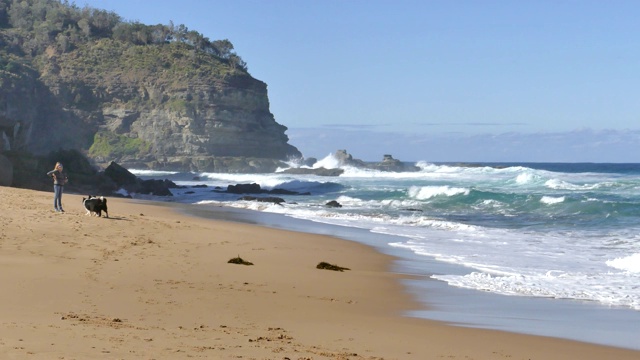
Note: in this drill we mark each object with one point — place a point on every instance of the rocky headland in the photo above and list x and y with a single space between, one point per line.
85 87
157 97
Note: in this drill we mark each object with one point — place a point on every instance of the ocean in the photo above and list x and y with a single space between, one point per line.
542 248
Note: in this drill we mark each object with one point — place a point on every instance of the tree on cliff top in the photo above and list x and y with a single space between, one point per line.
36 26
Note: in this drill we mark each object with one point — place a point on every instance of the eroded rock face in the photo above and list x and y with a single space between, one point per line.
6 171
218 122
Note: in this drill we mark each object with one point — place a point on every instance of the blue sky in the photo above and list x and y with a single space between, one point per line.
555 81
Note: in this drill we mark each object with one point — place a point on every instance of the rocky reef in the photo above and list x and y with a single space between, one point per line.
343 158
388 163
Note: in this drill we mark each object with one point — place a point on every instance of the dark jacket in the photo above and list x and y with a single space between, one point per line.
59 177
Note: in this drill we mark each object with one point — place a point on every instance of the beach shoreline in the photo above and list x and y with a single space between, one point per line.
150 282
583 321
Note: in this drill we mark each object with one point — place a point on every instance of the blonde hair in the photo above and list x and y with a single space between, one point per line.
58 164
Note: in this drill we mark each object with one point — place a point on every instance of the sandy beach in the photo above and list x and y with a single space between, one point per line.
149 283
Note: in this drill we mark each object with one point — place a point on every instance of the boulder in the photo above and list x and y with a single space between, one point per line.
271 199
256 189
123 178
244 189
393 165
333 204
120 175
388 163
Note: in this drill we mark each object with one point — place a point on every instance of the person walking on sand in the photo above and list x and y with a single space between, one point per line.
59 179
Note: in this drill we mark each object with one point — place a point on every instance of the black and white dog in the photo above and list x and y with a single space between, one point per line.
95 205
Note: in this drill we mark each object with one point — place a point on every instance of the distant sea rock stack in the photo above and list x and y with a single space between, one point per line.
343 158
388 163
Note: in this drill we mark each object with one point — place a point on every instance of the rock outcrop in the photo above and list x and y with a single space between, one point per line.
254 188
124 179
6 171
388 163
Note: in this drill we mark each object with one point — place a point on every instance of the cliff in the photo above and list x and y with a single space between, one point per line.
158 97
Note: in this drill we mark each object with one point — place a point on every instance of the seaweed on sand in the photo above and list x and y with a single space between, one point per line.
327 266
239 260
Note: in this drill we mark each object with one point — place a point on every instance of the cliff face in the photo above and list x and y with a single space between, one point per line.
33 120
166 106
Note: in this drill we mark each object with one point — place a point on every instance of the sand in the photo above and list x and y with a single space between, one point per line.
149 283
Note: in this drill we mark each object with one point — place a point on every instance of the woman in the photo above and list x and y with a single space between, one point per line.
59 179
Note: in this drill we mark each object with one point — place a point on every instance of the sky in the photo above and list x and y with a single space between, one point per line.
434 80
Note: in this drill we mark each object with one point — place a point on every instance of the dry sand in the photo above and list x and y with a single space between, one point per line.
148 283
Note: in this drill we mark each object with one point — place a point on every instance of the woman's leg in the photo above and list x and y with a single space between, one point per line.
57 193
60 198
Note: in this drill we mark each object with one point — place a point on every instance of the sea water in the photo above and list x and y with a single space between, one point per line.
565 232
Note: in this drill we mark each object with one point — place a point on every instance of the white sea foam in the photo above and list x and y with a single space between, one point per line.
550 200
630 263
141 172
525 178
607 288
428 192
557 184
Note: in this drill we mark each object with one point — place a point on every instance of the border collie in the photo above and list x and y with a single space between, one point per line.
95 205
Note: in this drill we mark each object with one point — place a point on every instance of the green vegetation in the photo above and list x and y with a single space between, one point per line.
35 28
74 68
109 145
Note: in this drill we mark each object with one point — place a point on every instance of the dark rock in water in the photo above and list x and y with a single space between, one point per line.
121 176
154 187
256 189
244 189
189 192
388 163
334 204
271 199
199 186
283 192
318 171
344 158
132 184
